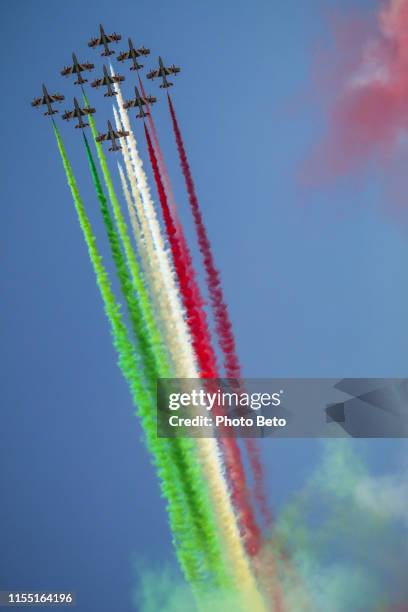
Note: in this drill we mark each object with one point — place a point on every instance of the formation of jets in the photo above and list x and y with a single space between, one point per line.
141 102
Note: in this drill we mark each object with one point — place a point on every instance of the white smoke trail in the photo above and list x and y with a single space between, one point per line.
159 297
142 196
134 221
180 351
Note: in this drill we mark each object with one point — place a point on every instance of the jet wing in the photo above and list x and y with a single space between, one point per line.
86 66
117 78
113 37
67 70
78 113
172 70
124 56
57 98
130 104
102 137
100 82
69 115
38 101
75 69
95 42
121 134
152 74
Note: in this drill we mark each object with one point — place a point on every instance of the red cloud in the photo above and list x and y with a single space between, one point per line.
369 116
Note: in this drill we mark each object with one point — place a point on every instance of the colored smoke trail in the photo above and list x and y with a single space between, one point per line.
347 552
207 449
222 320
182 253
223 324
181 450
206 358
162 164
134 222
210 543
188 287
184 543
135 314
162 282
153 225
150 342
212 469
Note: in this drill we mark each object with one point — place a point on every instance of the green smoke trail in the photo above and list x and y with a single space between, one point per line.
150 340
342 555
135 314
185 544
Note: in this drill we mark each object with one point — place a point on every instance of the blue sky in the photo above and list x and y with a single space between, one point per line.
315 278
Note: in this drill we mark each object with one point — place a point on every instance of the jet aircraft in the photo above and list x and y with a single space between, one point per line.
104 40
139 102
108 80
133 54
112 135
76 69
163 72
48 100
78 113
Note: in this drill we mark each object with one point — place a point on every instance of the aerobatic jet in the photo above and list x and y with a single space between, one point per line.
104 40
78 113
133 54
76 69
163 72
48 100
112 135
140 101
108 80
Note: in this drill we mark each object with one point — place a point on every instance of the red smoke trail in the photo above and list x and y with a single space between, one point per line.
164 175
223 324
162 164
201 339
185 274
370 115
222 321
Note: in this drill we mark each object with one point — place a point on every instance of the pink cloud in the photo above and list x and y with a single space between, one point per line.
368 115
